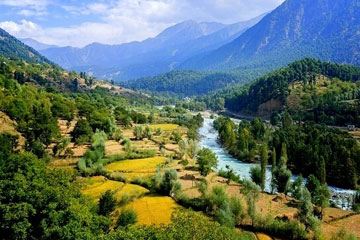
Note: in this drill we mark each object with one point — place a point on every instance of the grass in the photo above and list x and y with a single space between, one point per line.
146 165
165 126
132 175
153 209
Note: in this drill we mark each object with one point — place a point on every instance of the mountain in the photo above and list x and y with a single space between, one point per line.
149 57
38 46
323 29
309 89
12 47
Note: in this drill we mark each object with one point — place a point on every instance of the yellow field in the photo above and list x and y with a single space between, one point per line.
97 189
165 126
133 191
261 236
153 209
139 165
132 175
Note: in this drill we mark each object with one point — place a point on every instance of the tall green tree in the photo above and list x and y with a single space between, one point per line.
206 160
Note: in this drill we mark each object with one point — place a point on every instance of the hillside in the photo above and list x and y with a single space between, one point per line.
185 83
315 90
323 29
152 56
11 47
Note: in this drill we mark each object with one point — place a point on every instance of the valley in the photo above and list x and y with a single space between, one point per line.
177 120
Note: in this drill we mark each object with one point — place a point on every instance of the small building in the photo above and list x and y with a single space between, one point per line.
351 128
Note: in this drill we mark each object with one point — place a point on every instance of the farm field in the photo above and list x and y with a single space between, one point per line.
153 209
138 165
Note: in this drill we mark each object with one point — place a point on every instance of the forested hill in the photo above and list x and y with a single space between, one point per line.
321 91
12 48
188 83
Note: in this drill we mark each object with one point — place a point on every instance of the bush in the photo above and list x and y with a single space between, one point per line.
126 217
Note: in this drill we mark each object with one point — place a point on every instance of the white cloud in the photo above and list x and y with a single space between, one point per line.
118 21
35 4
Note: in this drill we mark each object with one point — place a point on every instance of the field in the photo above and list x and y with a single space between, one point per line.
96 186
165 127
153 209
139 165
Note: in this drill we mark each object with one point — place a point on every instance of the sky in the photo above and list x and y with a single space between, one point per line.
78 23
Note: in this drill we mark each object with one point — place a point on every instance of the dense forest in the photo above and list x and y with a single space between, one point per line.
190 83
328 153
309 89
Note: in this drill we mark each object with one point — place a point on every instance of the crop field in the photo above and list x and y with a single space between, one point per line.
146 165
133 191
165 127
131 176
153 209
97 188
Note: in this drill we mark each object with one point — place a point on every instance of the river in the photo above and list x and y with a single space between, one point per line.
209 139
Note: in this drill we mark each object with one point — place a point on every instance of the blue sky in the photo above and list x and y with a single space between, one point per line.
78 23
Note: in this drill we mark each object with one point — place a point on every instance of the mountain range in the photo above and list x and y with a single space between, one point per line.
149 57
324 29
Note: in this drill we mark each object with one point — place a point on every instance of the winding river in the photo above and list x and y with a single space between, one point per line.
209 139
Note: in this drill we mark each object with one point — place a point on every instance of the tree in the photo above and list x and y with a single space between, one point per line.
322 170
168 181
148 132
182 148
206 160
118 135
319 194
281 177
151 117
138 132
251 192
255 174
82 131
296 187
264 161
127 217
284 156
107 203
192 148
257 128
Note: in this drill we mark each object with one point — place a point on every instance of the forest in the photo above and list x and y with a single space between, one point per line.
310 90
328 153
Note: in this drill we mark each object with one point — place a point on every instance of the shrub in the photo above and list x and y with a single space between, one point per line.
127 217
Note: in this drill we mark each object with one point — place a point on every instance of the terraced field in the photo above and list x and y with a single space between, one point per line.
96 186
147 165
165 126
153 209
